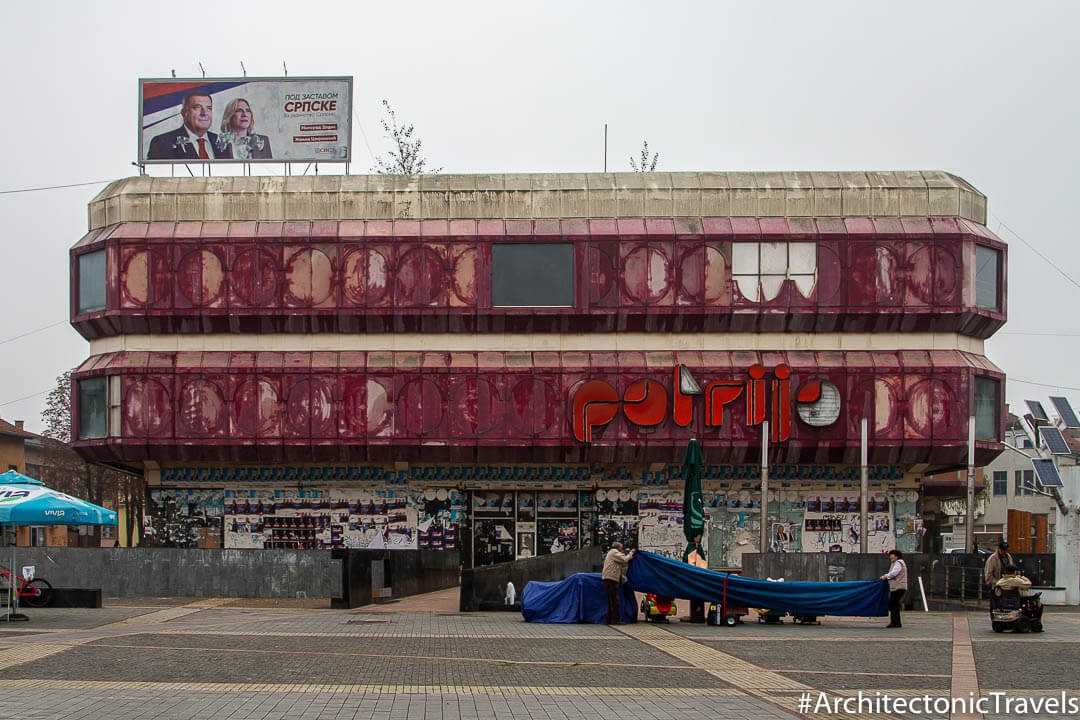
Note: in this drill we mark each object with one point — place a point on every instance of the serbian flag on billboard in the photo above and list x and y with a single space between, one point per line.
245 120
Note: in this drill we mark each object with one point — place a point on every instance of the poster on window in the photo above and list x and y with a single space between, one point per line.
440 512
831 524
183 517
660 524
493 541
617 517
383 519
217 120
556 536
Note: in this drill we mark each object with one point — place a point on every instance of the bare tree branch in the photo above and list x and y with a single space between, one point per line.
57 412
645 165
405 158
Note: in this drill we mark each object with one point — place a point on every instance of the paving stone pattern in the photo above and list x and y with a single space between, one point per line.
207 659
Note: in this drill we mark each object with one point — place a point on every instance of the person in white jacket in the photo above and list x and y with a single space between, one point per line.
615 563
897 577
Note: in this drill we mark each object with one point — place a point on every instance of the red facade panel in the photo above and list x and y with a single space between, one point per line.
520 406
867 275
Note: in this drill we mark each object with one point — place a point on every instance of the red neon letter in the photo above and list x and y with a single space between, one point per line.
645 402
717 395
781 404
595 403
755 396
683 389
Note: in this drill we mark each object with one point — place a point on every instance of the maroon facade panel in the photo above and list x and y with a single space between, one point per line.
505 406
863 275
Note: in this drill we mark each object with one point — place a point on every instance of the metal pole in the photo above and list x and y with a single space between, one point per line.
764 540
605 147
969 520
864 488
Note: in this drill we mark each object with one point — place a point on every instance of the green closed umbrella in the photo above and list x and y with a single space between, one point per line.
693 467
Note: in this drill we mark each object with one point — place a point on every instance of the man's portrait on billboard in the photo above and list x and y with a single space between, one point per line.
193 139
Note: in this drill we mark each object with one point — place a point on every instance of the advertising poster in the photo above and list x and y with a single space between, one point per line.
439 513
831 523
181 517
618 517
245 120
660 523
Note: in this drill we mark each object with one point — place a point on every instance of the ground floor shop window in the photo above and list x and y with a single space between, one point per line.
493 541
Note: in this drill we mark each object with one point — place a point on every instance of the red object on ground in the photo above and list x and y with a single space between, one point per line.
663 604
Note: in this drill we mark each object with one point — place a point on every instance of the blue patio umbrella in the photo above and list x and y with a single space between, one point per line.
26 501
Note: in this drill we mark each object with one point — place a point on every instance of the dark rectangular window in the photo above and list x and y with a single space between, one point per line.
986 408
1001 482
1029 481
532 275
1018 487
93 410
92 281
987 278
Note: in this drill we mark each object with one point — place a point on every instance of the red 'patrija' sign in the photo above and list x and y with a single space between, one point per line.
645 402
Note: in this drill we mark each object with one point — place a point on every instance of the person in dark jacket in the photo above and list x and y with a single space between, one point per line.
193 139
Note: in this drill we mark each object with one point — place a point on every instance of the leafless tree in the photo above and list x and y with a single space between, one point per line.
405 158
645 165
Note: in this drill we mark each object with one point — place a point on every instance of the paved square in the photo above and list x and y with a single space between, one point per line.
207 660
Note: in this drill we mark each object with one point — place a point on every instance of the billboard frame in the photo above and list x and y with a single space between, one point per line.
348 79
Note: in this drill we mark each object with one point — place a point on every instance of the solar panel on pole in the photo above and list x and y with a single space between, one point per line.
1047 472
1037 410
1065 412
1054 441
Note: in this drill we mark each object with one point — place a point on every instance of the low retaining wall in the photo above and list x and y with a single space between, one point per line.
950 576
484 588
173 572
404 572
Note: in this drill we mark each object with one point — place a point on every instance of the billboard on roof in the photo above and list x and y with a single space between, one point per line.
245 120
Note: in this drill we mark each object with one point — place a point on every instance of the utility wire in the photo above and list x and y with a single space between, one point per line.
1039 384
12 402
1037 334
1035 250
54 187
31 332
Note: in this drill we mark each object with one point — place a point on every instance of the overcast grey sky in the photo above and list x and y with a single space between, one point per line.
985 90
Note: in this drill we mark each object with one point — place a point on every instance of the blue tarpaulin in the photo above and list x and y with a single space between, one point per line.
579 598
651 573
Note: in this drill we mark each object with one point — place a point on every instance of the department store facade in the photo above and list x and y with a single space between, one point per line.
512 365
